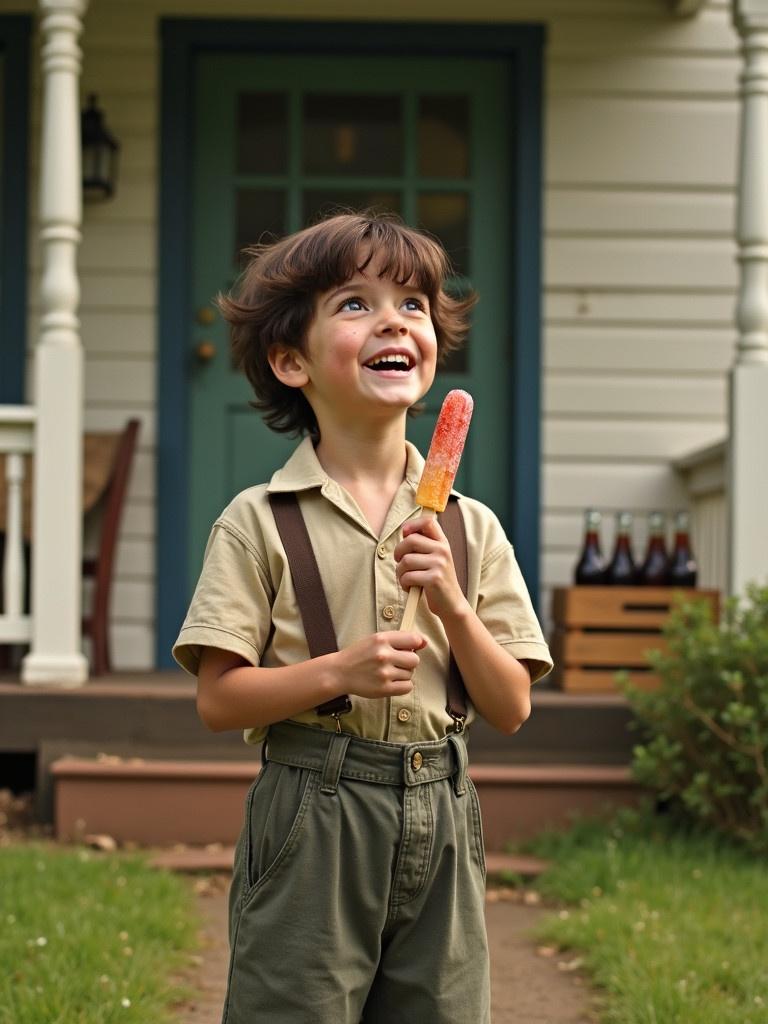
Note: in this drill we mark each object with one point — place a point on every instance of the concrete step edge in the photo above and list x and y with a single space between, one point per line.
216 859
482 773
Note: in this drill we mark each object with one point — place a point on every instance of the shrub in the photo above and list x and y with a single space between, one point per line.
707 724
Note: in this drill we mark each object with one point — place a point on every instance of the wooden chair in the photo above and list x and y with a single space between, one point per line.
100 567
107 471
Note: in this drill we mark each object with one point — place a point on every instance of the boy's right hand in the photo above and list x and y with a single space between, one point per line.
380 665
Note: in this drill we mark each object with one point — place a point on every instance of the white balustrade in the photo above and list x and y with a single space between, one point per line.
704 473
17 425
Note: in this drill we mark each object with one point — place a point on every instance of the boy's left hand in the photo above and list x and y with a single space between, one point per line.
424 560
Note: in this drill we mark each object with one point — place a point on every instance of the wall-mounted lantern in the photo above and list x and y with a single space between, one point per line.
100 151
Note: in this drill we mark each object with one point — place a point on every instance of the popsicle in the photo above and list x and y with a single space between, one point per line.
440 471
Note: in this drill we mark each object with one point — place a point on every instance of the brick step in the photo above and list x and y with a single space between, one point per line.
218 859
163 803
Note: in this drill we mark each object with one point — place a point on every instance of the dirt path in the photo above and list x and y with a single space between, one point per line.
529 985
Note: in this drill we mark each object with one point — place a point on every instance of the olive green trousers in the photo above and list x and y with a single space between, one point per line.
359 886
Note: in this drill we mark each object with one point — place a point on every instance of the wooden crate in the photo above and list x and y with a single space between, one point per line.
599 631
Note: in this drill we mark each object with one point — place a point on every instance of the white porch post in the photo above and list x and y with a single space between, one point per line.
55 656
748 447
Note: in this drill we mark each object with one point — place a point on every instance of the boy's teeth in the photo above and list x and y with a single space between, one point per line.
398 358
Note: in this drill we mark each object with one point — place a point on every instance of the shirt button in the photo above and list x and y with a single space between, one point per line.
403 714
381 551
417 761
388 611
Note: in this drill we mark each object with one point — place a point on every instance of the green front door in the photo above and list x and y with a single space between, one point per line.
279 141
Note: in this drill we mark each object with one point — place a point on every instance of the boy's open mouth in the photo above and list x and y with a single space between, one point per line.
390 361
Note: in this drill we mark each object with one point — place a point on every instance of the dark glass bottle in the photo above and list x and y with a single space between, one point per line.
682 565
653 571
621 570
590 568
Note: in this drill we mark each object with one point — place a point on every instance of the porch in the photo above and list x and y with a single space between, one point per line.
151 715
128 756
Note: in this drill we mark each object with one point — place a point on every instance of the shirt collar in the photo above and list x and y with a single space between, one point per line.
303 471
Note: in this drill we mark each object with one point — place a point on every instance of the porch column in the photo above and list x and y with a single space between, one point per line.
748 412
55 657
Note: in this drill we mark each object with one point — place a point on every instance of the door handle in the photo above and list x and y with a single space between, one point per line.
205 351
205 316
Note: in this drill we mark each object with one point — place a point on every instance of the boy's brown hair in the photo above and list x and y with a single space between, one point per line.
275 298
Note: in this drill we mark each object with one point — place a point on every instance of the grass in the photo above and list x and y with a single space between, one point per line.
672 926
88 938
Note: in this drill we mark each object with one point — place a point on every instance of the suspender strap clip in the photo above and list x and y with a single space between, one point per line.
458 721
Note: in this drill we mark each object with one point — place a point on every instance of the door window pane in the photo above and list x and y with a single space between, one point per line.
2 163
345 135
443 136
319 203
446 214
262 133
260 217
458 360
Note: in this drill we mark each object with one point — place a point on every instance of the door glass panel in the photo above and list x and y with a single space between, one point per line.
262 133
446 214
2 162
319 203
458 360
260 217
345 135
443 136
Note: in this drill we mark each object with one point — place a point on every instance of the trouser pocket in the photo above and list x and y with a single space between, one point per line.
275 815
477 825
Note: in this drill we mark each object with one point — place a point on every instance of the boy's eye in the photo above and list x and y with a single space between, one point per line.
352 305
414 304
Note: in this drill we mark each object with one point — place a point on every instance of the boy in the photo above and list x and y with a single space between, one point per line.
358 890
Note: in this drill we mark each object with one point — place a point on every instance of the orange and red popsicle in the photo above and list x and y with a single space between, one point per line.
440 470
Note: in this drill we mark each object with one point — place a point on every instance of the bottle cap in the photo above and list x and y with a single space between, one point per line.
682 519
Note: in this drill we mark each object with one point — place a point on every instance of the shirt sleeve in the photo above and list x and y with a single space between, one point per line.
505 608
232 604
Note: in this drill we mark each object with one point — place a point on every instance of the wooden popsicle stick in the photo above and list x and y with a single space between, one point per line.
414 594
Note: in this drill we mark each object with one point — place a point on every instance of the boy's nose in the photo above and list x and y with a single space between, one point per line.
393 324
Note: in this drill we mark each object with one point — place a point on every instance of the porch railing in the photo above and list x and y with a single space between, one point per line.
17 429
704 473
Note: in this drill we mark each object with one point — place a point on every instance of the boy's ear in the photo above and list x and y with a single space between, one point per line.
288 366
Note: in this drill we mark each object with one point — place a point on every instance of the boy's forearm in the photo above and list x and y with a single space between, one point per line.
246 697
497 683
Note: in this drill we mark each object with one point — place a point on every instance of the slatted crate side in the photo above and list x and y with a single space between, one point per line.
579 680
622 607
577 647
600 631
587 662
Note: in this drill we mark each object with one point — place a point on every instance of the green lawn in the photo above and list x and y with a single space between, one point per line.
672 927
89 938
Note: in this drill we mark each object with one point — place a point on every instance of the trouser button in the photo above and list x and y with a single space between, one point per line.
417 761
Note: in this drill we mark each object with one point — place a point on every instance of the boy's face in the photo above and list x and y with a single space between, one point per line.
371 348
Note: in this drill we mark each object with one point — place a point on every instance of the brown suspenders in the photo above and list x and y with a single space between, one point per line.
313 604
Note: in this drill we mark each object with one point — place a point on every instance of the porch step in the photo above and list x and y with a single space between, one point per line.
216 859
153 715
164 803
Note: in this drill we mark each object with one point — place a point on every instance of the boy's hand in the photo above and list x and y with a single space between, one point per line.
424 560
380 665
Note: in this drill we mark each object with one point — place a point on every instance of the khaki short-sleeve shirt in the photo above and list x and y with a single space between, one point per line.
245 602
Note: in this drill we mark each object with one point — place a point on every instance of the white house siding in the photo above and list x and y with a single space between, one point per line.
641 124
